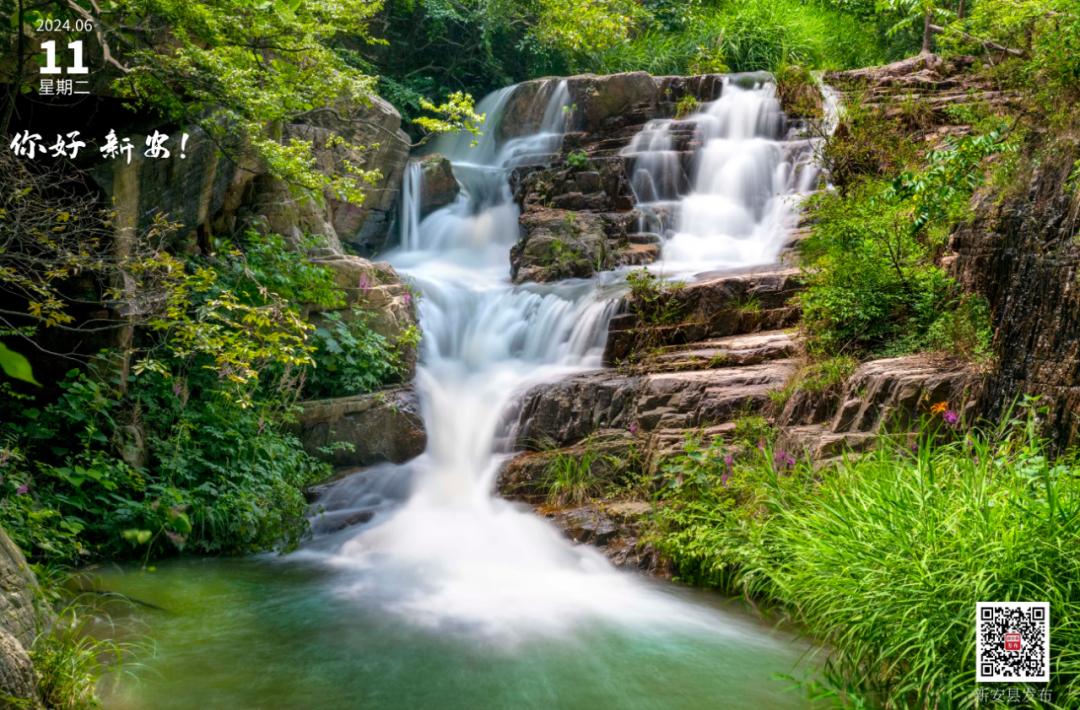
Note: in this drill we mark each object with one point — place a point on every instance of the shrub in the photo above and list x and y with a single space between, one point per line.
653 300
351 358
874 284
577 160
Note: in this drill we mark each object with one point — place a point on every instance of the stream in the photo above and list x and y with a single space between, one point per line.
447 596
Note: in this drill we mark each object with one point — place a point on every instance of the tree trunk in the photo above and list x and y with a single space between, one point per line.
927 34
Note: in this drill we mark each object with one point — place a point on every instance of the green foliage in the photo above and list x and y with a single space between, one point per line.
570 478
746 36
69 661
653 300
577 159
883 557
152 471
189 451
457 113
798 92
351 358
874 282
16 366
686 106
819 377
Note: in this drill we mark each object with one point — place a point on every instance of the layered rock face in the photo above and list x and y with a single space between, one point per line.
698 377
208 192
1022 254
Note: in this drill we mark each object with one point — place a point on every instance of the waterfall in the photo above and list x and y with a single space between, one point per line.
442 550
732 200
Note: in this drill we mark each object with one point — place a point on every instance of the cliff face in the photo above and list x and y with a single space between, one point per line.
1021 252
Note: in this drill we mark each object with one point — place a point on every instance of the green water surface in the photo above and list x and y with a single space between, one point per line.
266 633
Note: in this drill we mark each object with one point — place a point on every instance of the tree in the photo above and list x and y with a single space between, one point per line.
914 11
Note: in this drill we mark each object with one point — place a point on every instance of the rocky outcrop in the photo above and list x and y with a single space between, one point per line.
564 243
207 192
1021 252
891 394
377 427
18 627
713 307
924 91
439 187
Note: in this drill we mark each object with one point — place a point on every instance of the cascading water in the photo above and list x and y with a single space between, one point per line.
441 546
453 553
447 596
733 205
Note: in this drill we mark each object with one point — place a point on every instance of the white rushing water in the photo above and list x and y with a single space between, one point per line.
441 549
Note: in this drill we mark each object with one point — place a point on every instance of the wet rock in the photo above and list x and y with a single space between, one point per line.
563 243
440 187
566 412
712 307
381 426
615 529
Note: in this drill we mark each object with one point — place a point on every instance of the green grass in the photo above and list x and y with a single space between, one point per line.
882 558
570 478
70 661
748 36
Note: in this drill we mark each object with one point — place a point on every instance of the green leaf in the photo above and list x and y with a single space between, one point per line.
139 537
16 366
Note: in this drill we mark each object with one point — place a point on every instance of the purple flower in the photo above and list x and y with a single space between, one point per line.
951 417
633 428
782 459
23 489
729 461
724 478
407 298
363 284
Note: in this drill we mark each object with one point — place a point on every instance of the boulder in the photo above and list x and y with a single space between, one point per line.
381 426
18 625
439 186
559 244
18 683
18 590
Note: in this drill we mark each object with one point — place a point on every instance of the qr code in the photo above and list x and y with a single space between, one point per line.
1012 642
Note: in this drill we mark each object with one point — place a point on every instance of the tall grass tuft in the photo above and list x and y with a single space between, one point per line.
884 557
70 662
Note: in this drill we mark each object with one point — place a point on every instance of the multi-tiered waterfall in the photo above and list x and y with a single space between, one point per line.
440 546
444 595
